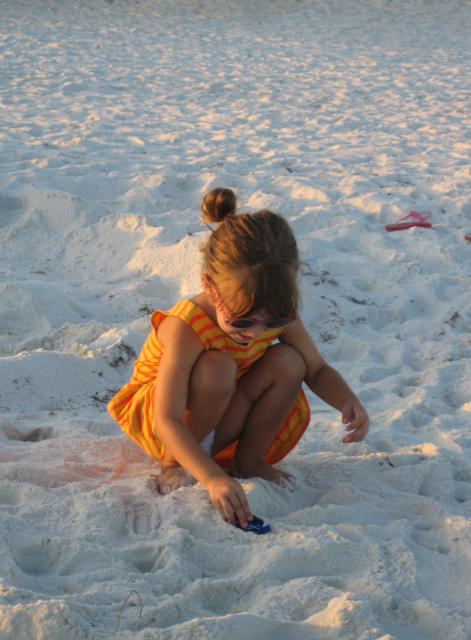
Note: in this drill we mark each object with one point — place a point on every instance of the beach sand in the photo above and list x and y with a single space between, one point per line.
115 118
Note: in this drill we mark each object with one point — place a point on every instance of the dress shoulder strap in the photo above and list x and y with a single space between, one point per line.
204 327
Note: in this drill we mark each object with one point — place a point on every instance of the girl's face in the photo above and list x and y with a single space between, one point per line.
243 329
246 334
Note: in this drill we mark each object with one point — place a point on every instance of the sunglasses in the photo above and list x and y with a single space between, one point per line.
245 322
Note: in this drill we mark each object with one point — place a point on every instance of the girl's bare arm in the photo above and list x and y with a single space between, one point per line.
327 383
181 350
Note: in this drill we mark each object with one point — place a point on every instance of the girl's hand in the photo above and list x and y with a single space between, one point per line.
356 418
229 499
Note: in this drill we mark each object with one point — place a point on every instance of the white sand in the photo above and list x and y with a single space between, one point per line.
115 118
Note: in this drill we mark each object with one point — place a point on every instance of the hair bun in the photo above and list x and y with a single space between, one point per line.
218 204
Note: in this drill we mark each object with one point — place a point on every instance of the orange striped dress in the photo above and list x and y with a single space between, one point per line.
133 406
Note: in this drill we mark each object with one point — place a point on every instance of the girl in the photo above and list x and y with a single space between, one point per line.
216 388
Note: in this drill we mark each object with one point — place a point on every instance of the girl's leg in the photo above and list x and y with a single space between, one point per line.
258 408
212 384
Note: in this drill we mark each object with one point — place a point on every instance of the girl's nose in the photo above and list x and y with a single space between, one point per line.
255 330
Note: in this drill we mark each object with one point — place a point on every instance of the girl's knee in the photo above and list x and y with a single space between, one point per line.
216 371
289 363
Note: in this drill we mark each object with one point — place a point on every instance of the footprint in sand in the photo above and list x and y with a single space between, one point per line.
10 496
432 537
20 317
35 435
437 482
461 472
146 558
405 459
10 207
416 417
461 479
462 492
39 557
375 374
138 518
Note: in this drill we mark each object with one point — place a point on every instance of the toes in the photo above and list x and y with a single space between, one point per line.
172 478
158 485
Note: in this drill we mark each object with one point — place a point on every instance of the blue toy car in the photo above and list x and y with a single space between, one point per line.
256 525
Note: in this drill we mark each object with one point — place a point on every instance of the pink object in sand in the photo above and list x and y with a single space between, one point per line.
412 219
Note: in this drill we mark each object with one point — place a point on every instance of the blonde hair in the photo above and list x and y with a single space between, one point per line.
217 204
251 258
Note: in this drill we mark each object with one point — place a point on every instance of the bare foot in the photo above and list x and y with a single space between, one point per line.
172 477
259 470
